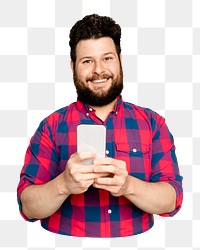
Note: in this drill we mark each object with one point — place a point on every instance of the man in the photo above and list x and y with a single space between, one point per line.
115 196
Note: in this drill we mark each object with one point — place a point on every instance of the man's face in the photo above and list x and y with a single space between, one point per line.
98 75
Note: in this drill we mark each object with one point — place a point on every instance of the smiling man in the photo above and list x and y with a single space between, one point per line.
117 195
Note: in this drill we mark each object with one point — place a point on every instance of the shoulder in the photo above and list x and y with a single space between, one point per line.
59 115
57 118
144 114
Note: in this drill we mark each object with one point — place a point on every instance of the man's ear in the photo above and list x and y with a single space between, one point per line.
72 65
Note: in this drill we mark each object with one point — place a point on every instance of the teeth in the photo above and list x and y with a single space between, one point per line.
100 81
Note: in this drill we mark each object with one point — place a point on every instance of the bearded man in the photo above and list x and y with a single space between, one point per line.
114 196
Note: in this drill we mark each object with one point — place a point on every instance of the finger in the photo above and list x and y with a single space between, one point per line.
104 187
103 175
76 169
84 185
114 190
77 159
107 168
106 181
86 155
95 176
110 161
88 177
103 161
83 177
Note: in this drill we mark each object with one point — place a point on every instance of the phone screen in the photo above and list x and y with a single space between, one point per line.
91 138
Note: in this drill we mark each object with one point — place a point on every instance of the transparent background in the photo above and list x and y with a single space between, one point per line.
161 60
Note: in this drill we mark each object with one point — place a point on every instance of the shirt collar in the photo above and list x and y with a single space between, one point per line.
118 104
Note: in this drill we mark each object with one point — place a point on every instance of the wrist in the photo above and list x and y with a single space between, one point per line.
130 186
61 185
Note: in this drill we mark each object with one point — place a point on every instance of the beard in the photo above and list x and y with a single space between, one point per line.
99 98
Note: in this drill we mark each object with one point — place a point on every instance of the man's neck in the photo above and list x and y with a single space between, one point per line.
103 111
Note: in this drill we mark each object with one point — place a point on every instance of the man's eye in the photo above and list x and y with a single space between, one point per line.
108 58
87 61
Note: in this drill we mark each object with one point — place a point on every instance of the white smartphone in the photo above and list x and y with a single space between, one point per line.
91 138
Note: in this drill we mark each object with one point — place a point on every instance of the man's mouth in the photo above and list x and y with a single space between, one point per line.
100 80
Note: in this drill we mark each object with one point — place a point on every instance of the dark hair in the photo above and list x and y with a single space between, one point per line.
94 27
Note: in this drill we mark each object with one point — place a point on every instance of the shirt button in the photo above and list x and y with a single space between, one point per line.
134 150
107 152
90 109
109 211
87 114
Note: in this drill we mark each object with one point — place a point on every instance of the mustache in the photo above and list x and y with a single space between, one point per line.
99 77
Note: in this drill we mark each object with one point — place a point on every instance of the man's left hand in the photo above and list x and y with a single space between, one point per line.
116 182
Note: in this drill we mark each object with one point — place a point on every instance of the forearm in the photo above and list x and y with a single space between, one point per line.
154 198
41 201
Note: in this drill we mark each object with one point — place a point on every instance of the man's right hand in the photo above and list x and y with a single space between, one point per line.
41 201
77 176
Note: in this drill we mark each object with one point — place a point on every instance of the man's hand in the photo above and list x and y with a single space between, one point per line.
153 198
116 182
77 176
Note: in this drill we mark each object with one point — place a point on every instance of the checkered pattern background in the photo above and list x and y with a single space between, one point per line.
161 61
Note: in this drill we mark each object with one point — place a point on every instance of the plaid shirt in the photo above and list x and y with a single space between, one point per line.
135 135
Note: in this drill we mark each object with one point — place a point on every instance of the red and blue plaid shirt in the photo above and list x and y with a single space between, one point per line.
135 135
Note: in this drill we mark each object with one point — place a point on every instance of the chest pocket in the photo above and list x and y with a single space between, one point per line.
137 157
133 148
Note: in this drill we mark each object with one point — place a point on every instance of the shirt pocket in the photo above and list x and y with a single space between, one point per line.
137 157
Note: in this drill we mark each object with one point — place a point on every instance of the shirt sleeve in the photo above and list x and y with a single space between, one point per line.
164 162
41 160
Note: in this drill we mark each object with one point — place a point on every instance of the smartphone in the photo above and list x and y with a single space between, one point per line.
91 138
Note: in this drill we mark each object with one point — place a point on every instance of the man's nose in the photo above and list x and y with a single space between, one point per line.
98 67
